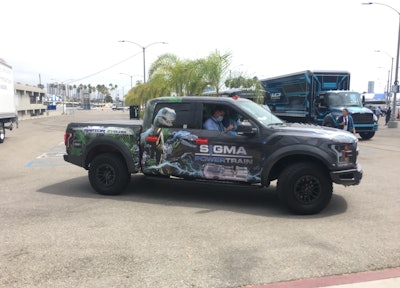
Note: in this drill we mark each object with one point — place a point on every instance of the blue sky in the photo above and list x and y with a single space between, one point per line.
63 40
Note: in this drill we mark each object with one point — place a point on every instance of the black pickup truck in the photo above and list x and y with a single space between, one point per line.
171 142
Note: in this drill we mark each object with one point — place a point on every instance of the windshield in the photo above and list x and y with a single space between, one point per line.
345 99
260 113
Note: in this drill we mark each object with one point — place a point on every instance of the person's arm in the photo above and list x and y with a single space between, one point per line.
352 125
229 128
340 121
211 125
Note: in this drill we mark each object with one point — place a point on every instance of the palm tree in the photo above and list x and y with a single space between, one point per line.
181 77
170 75
215 69
75 92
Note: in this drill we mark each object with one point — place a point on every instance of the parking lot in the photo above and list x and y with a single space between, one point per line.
56 232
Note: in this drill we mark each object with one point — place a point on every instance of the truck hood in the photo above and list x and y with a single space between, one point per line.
313 131
338 110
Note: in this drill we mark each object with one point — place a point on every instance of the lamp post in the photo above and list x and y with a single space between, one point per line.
388 80
144 54
393 122
129 76
391 66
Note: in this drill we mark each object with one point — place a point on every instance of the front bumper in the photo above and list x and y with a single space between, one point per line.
347 177
366 127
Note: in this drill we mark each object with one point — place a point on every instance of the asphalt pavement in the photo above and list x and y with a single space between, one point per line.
386 278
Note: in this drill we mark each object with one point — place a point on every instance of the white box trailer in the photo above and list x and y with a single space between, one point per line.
8 109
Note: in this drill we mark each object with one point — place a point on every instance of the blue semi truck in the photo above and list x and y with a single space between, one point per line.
318 97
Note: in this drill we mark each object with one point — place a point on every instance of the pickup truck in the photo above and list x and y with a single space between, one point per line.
171 141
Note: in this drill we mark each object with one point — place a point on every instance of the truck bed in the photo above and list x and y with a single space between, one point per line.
108 123
8 117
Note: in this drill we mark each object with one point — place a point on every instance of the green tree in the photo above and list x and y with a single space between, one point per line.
247 83
215 69
108 99
169 75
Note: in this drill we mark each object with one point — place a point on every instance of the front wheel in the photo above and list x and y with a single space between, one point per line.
305 188
367 135
108 174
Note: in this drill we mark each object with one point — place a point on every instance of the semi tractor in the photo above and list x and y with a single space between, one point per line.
318 97
8 110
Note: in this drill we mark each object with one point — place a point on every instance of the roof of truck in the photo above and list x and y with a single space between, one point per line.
329 72
173 99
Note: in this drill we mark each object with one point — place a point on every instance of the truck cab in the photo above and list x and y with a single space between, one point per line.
329 106
318 97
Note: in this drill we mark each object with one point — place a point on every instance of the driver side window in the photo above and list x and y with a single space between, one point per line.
221 118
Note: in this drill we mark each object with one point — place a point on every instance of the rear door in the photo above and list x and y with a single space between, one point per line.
170 144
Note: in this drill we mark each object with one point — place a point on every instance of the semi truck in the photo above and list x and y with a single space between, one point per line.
172 142
8 110
318 97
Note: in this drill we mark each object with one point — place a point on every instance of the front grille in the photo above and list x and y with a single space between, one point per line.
363 118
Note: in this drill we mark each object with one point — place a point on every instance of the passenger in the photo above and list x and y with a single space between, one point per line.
233 120
214 122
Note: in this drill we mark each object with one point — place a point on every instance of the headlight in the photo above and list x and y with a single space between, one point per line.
344 153
375 118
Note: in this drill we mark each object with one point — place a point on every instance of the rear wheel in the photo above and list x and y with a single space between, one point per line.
305 188
108 174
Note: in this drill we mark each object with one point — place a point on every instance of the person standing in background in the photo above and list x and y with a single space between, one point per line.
388 113
378 112
346 122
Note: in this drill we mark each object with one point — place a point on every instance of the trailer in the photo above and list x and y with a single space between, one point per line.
8 109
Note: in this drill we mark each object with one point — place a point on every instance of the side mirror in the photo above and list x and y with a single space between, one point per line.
245 128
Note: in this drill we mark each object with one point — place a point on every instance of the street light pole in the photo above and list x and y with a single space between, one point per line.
144 54
129 76
388 81
393 122
391 68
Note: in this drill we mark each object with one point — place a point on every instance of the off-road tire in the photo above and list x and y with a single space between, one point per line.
108 174
305 188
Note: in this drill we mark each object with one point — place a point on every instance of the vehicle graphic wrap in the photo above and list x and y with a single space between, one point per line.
129 137
176 152
175 156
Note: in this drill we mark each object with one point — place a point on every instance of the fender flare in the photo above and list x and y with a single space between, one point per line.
117 146
295 151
